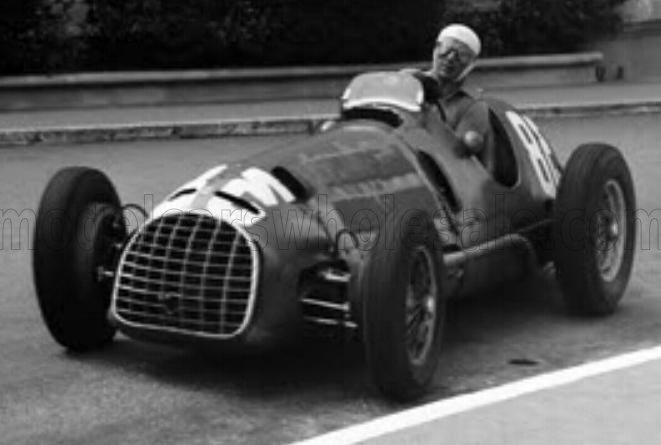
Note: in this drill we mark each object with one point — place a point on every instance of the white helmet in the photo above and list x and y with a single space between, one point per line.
463 34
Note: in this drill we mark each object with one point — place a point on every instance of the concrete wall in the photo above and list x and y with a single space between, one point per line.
199 86
635 54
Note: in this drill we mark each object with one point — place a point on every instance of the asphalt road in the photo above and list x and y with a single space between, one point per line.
138 393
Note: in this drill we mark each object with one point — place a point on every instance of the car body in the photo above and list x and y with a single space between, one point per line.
368 227
388 153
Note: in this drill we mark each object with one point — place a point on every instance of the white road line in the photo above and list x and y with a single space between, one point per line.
455 405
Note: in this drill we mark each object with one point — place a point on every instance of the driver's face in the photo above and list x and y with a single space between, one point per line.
450 58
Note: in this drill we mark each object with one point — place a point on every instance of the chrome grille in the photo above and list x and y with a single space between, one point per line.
188 273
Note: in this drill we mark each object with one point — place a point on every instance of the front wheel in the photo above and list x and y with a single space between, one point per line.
594 229
79 225
404 310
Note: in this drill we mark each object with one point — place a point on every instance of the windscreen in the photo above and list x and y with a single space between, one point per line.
398 89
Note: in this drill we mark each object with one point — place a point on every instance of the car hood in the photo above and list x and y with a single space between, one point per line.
349 153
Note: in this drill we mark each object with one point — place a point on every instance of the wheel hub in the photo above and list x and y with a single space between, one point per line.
613 230
111 234
610 231
421 306
430 305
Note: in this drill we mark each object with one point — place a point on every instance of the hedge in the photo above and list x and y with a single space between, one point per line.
539 26
171 33
19 25
163 34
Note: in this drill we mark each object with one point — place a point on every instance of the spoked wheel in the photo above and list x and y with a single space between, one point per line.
78 230
594 230
404 309
610 231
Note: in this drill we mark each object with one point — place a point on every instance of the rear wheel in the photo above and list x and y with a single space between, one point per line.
594 230
79 224
404 310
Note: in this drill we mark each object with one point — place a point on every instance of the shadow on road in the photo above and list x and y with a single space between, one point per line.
483 346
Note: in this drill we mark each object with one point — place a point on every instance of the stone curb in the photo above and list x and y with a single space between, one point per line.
265 126
160 130
542 111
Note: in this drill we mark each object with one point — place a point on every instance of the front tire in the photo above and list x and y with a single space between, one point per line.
594 230
78 223
404 310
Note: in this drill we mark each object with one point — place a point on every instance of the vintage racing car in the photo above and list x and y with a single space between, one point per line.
370 225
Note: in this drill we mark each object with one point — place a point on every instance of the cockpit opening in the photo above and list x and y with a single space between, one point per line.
384 115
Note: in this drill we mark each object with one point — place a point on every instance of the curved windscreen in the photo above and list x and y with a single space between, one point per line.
397 89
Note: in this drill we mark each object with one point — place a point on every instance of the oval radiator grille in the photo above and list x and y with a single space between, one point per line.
187 273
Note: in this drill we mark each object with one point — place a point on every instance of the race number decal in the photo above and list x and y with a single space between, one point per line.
539 152
264 190
261 185
203 179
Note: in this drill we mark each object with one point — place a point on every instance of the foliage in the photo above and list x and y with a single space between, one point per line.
540 26
163 34
19 35
171 33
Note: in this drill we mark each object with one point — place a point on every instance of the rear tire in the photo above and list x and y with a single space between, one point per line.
594 230
404 309
78 221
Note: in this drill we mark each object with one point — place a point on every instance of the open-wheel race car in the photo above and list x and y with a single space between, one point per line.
369 226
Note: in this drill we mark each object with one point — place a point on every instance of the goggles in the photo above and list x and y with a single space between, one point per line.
448 47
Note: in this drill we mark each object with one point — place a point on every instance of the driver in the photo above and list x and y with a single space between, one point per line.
456 50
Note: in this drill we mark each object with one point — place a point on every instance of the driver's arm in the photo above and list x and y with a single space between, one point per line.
430 86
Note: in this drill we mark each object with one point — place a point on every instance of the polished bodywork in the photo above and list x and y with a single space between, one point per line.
314 210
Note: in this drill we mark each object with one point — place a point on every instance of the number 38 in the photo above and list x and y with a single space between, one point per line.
539 152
